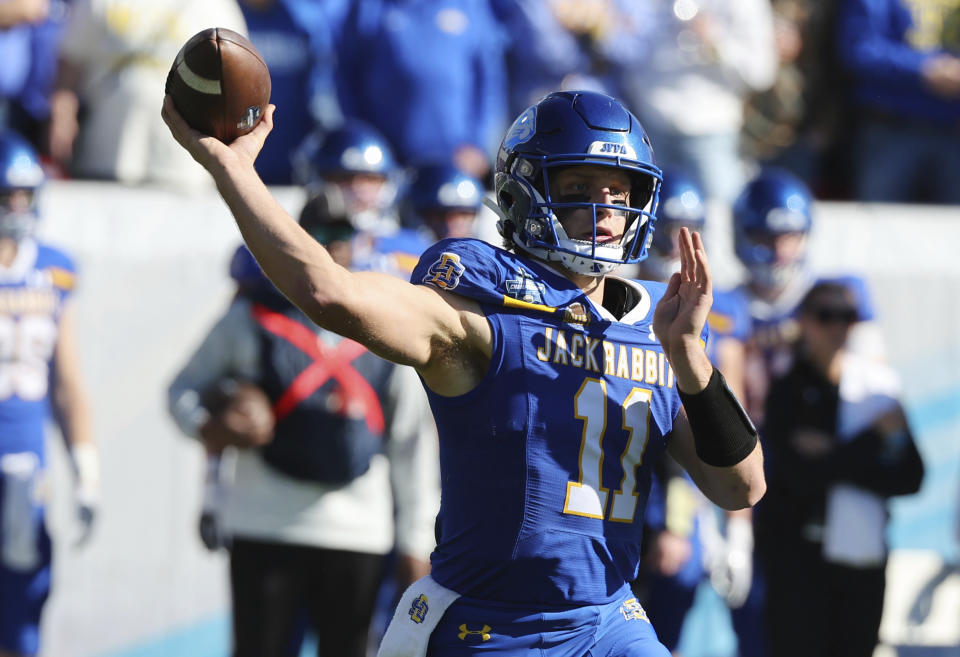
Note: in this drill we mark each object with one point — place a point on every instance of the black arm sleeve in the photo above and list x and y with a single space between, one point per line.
723 434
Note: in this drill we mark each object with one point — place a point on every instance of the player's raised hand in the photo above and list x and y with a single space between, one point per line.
682 311
209 151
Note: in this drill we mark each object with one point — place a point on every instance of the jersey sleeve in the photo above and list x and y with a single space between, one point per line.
60 267
466 267
729 317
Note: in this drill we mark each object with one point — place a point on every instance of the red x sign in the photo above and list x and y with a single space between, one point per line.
327 362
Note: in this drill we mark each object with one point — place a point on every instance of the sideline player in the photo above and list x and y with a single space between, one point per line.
554 386
39 373
772 220
682 532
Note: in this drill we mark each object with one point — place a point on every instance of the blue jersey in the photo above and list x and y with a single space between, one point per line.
32 295
395 252
546 464
729 318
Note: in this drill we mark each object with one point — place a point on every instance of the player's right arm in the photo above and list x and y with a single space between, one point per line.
444 336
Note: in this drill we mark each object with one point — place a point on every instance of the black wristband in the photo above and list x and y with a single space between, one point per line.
723 434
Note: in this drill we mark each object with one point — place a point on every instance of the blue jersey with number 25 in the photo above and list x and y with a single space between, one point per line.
33 291
546 464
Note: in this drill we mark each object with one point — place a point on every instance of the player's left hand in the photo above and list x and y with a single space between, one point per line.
86 509
731 571
86 461
682 311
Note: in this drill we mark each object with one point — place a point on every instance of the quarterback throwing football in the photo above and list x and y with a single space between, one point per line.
555 384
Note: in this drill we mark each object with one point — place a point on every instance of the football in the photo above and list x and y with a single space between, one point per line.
220 83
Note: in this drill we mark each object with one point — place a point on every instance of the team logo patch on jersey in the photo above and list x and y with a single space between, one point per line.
445 273
525 288
418 609
631 610
483 633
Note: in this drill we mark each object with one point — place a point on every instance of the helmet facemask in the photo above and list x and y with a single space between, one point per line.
768 273
534 215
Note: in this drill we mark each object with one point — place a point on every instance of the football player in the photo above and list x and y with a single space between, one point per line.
39 373
772 220
682 532
554 384
442 200
354 167
357 159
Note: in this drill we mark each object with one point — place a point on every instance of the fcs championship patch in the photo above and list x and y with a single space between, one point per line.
418 609
445 273
525 288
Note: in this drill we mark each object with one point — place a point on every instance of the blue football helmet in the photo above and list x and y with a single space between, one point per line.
440 187
682 203
20 171
354 149
570 128
774 203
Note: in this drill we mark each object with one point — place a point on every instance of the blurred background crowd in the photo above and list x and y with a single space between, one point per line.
860 98
389 116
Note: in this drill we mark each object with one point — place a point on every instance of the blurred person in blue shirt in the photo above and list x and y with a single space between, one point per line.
29 37
701 60
903 58
568 44
429 75
295 38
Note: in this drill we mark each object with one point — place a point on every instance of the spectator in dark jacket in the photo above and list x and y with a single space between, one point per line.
838 446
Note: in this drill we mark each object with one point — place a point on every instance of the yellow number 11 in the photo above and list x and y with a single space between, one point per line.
588 497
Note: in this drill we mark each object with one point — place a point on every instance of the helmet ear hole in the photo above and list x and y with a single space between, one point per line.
506 200
514 200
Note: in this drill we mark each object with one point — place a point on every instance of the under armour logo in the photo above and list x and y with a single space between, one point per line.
483 633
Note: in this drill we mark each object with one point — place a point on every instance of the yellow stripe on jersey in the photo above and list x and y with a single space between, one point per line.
510 302
61 278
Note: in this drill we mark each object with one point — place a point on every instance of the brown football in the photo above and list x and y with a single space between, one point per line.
220 83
